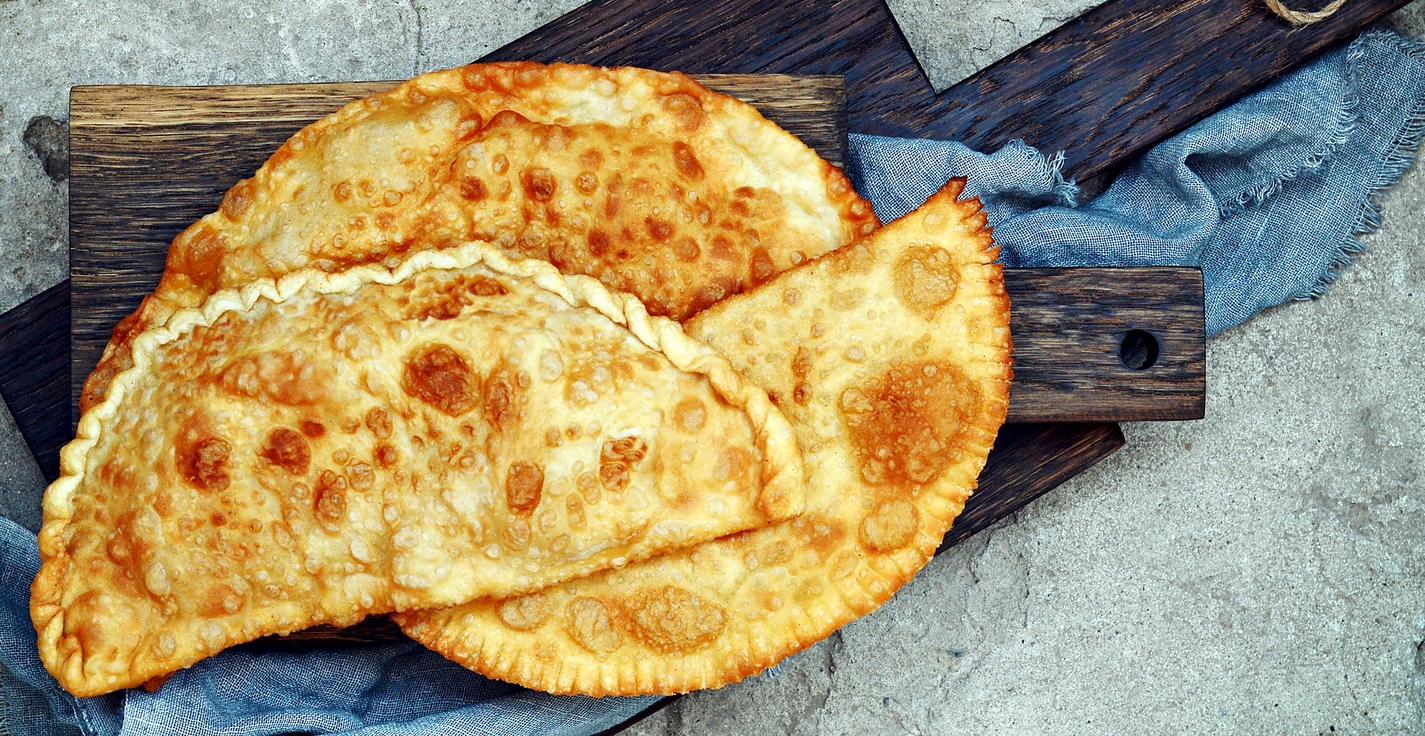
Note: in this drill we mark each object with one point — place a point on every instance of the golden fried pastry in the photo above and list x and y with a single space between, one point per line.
891 359
328 446
646 180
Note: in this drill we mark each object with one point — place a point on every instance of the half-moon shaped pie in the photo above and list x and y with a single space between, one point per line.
645 180
327 446
891 359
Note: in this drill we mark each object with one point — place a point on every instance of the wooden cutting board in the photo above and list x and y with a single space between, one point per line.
1103 86
149 161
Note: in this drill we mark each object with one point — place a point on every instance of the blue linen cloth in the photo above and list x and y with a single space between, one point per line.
1267 197
377 690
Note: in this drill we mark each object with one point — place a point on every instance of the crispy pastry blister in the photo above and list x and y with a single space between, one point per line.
309 476
891 360
328 446
645 180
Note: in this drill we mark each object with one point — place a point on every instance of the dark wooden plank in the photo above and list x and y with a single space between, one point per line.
145 162
371 630
886 90
1102 87
34 373
811 105
1112 82
1070 325
1028 461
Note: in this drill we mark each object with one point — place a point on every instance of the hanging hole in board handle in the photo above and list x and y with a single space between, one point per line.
1138 350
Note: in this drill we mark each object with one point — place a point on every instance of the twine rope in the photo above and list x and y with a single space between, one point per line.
1304 17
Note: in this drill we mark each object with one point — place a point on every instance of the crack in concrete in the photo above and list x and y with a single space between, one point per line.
1023 569
420 37
1418 679
1364 504
834 645
1322 559
816 701
994 33
1218 587
899 716
673 721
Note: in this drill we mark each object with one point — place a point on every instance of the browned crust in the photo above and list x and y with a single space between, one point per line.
88 673
487 90
546 659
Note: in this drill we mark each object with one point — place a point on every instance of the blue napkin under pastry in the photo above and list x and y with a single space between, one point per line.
1268 197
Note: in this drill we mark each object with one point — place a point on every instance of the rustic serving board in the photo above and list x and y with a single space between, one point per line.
1101 87
148 161
1104 86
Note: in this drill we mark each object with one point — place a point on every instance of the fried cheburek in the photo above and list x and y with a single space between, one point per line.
329 446
645 180
891 359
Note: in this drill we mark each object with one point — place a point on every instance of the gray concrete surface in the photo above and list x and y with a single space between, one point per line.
956 38
1260 571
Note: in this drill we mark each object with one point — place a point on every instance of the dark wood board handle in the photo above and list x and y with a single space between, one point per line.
1104 86
1107 344
1067 326
1114 81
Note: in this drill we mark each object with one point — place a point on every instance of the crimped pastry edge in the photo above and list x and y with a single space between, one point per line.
854 211
491 655
783 478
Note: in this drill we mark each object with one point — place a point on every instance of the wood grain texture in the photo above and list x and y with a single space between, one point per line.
1102 87
1068 325
813 105
887 91
1112 82
146 162
375 629
1028 461
34 373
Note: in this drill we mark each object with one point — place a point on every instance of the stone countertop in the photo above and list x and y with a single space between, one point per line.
1259 571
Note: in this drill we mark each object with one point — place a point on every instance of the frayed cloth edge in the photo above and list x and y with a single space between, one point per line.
1346 121
1065 193
1399 158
